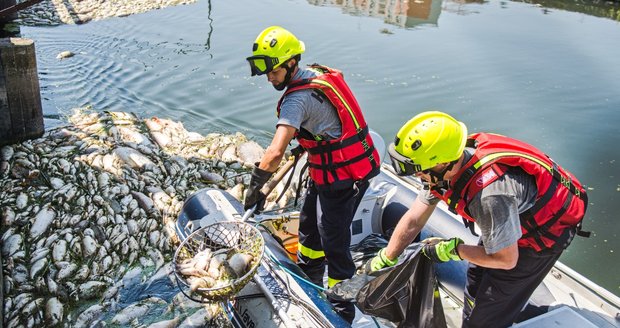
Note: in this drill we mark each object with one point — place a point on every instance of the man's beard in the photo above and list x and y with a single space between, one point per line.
280 86
287 79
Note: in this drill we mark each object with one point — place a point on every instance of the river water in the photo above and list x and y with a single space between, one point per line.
547 74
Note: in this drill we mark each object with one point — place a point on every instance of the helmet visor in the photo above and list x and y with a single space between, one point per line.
402 165
262 64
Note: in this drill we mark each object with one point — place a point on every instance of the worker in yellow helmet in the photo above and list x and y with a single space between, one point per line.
320 111
527 207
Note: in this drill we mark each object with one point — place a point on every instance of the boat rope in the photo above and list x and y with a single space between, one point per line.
313 312
276 261
313 285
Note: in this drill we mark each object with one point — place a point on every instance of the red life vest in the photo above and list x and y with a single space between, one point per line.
561 200
336 164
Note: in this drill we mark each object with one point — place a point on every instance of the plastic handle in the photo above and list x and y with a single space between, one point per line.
248 213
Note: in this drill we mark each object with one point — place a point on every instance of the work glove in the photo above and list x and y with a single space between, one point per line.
253 195
379 262
442 250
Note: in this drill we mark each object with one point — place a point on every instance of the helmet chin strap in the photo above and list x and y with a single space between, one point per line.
287 77
437 178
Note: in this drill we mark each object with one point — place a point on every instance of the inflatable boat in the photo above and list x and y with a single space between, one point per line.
280 295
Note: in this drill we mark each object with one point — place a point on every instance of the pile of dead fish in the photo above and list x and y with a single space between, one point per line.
92 205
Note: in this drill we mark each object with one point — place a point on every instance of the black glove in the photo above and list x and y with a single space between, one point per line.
253 195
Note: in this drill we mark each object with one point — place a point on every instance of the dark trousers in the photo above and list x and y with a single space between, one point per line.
494 297
330 233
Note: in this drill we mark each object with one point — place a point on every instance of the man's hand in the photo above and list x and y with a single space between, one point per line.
379 262
253 195
442 250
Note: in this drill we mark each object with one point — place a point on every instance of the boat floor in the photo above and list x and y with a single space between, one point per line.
560 314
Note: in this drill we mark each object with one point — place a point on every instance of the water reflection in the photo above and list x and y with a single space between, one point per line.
597 8
208 42
402 13
412 13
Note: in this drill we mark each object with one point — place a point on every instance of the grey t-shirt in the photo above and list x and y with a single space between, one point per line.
496 208
311 110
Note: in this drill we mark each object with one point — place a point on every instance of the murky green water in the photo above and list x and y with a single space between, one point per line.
547 74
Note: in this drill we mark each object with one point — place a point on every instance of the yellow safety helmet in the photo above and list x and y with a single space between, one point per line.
428 139
273 46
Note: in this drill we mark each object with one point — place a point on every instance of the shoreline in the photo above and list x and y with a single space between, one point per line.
58 12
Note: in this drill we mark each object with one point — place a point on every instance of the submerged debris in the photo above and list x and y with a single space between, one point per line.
65 54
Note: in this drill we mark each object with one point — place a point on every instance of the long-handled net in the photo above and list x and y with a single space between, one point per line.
230 237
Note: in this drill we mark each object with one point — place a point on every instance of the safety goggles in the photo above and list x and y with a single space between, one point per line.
262 64
402 165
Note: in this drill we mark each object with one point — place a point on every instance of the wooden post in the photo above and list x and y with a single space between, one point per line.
21 115
4 4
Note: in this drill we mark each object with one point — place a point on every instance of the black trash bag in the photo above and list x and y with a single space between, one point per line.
361 253
406 293
367 248
347 290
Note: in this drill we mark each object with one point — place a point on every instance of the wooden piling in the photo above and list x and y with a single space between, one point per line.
6 4
21 114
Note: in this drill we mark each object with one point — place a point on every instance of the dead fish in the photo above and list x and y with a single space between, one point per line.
132 157
200 318
41 222
37 267
12 244
134 311
90 315
65 54
193 271
59 251
202 259
21 201
66 270
90 246
39 254
54 311
91 289
144 201
166 323
201 282
8 217
214 265
7 152
240 263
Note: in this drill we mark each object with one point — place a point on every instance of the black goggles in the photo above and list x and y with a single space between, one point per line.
402 165
262 64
